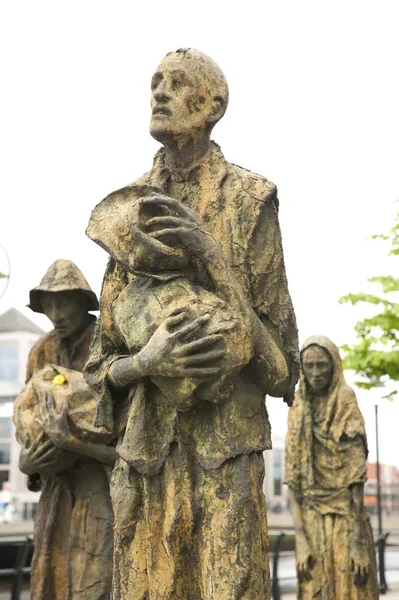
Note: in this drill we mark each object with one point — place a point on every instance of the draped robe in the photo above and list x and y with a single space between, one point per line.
73 528
326 451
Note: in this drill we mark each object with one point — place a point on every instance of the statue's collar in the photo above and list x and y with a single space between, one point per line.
213 156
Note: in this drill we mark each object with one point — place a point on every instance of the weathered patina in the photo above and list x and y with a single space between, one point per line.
326 451
190 515
62 453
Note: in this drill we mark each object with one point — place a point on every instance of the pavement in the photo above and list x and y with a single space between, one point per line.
5 592
393 594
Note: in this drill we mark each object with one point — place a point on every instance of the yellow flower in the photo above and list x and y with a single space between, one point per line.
59 379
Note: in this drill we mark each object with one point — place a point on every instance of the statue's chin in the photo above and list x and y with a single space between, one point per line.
160 133
319 387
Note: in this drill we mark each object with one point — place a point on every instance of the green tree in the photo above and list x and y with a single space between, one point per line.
375 355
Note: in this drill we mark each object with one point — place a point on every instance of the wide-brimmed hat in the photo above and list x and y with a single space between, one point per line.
62 276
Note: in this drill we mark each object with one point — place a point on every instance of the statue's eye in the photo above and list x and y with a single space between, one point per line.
176 84
156 80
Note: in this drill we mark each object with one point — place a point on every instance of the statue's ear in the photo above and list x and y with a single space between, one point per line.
218 109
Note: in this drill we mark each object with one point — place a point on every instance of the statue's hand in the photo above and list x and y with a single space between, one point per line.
304 558
360 561
185 227
55 424
40 457
172 351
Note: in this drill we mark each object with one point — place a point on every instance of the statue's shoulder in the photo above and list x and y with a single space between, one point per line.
295 409
347 393
47 338
144 180
255 185
42 350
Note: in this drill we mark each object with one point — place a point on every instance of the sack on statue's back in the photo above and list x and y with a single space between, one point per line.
66 387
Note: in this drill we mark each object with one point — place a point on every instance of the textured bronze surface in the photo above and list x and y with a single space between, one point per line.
196 326
326 450
63 454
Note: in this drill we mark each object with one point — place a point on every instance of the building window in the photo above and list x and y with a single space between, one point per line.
277 471
29 510
8 361
4 454
7 399
4 476
5 427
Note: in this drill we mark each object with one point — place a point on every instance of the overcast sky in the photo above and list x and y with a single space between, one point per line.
314 106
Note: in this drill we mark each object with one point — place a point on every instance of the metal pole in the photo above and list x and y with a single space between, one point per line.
9 270
378 474
276 594
381 537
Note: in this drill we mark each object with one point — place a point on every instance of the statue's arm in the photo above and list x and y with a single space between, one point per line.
269 363
269 309
274 369
359 551
42 457
59 431
171 351
106 347
271 301
304 558
296 512
100 452
174 350
357 493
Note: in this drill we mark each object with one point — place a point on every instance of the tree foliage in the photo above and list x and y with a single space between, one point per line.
375 355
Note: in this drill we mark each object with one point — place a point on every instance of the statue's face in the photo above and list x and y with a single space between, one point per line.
180 101
317 367
66 311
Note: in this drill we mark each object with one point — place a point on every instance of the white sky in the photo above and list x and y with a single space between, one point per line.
314 107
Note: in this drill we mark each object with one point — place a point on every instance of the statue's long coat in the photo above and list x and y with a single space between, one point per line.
73 528
190 514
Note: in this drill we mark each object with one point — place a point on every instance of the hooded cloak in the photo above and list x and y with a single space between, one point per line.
326 451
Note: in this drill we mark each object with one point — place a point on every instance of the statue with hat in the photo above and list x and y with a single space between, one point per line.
196 326
64 455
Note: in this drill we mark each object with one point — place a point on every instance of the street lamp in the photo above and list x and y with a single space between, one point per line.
381 537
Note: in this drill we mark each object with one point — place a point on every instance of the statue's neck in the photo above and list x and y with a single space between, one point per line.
74 338
184 154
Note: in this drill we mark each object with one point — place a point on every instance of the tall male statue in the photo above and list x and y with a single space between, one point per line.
65 457
326 451
196 326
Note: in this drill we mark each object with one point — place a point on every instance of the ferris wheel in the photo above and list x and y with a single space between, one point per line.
4 270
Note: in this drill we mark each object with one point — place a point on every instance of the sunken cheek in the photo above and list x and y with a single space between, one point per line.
194 100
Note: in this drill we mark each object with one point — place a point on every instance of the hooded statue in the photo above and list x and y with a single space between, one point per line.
326 451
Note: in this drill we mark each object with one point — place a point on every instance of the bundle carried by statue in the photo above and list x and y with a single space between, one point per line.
165 284
67 388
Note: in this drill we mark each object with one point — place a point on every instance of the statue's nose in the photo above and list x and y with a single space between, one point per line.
161 93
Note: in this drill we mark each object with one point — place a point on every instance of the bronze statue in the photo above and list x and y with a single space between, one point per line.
64 456
196 326
326 451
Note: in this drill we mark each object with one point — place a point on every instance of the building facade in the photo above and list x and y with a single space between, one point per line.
273 486
17 336
389 489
